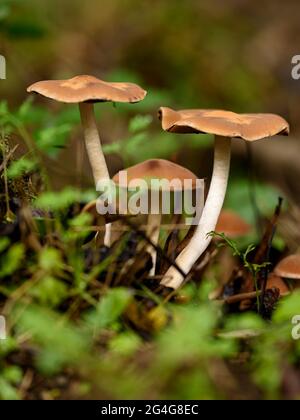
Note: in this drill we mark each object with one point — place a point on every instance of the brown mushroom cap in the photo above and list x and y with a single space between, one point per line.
249 127
88 89
289 267
278 283
158 169
232 225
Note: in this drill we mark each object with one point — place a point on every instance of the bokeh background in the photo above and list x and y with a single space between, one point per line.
198 53
77 327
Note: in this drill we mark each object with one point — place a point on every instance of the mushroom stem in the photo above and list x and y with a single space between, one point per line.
93 143
153 230
94 150
214 203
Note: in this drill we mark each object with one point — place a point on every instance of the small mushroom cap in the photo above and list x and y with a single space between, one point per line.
88 89
158 169
278 283
249 127
289 267
232 225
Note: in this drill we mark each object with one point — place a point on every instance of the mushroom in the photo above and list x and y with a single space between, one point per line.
224 125
87 90
289 267
156 170
274 281
232 225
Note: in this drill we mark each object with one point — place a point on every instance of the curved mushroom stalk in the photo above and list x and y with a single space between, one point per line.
153 230
209 218
95 153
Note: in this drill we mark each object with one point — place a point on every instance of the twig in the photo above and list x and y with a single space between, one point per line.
270 241
238 298
7 158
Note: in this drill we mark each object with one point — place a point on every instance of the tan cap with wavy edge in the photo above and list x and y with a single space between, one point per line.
249 127
88 89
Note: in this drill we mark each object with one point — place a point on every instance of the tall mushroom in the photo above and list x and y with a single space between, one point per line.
159 170
87 90
224 125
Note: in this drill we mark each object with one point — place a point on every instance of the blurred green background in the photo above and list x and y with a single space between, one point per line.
197 53
233 54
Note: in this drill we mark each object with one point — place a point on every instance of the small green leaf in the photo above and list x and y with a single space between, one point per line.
109 309
50 259
139 123
12 260
21 167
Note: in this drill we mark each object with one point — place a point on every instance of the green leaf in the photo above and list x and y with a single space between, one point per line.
139 123
61 343
50 260
111 148
7 391
12 260
109 309
125 344
12 374
51 139
7 346
21 167
249 321
49 291
288 308
4 243
57 201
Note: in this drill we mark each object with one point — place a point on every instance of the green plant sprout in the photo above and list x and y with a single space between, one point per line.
254 269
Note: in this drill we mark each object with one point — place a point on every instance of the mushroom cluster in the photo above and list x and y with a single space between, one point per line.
224 125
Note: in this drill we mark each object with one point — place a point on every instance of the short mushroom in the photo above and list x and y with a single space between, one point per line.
87 90
289 267
232 225
224 125
274 281
159 170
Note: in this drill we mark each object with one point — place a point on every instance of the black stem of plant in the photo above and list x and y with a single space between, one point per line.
157 248
252 190
266 270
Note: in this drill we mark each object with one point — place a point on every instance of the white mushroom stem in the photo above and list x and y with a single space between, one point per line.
153 230
93 143
209 218
94 150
